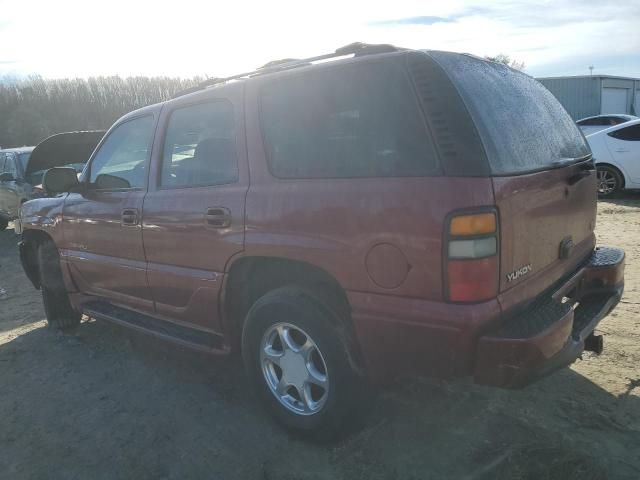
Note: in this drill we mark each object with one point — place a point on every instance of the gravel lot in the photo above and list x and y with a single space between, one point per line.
104 403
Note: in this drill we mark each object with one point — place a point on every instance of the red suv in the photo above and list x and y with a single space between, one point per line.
340 223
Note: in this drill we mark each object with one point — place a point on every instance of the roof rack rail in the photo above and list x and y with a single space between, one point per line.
357 49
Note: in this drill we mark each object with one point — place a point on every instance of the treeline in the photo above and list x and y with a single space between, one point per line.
33 109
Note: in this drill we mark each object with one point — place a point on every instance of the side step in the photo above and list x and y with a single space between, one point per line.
190 337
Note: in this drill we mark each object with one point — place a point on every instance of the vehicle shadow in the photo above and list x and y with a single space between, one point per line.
18 299
106 403
628 198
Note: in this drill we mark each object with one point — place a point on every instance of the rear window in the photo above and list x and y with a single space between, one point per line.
522 125
356 120
592 122
618 120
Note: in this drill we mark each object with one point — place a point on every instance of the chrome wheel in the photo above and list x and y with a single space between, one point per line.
294 369
607 182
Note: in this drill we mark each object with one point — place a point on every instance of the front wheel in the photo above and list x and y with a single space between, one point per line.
298 358
609 181
60 314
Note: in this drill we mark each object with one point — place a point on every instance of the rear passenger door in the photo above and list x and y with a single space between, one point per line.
193 214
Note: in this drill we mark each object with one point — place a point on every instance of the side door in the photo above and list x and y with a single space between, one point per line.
624 146
102 225
10 190
193 216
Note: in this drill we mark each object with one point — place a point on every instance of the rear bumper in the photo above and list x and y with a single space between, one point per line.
399 336
551 332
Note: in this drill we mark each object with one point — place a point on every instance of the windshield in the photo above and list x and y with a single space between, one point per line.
24 159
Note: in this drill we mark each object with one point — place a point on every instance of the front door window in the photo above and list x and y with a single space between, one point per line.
122 158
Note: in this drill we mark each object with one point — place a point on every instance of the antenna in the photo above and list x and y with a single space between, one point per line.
591 70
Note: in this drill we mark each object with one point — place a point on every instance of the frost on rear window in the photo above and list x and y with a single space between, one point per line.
522 125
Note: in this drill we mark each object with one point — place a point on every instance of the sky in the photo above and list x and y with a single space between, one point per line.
73 38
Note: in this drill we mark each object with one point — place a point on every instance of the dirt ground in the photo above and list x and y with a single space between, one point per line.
102 403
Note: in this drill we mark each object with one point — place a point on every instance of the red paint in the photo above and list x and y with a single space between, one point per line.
174 265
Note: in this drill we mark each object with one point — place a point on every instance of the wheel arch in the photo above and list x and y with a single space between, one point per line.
31 240
249 278
622 174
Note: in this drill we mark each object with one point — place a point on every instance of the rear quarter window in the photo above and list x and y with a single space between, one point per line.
631 133
522 125
353 120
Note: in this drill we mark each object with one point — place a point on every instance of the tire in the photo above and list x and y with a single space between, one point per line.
610 181
4 223
327 410
58 310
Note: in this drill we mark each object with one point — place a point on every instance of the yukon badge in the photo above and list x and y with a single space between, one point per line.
520 272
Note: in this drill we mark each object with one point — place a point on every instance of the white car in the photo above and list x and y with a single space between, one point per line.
616 152
591 125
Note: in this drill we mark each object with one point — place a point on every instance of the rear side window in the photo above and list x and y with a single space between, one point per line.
631 133
356 120
200 146
522 125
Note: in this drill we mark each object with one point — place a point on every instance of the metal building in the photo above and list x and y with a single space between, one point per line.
585 96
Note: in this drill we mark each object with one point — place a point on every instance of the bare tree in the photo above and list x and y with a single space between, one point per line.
34 108
507 60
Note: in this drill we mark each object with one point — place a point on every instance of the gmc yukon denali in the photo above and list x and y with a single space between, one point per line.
339 221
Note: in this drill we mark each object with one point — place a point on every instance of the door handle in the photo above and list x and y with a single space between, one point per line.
129 217
217 217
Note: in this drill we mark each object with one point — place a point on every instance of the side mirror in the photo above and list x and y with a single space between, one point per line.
59 180
6 177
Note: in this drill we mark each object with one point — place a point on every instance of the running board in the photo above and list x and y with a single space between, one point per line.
190 337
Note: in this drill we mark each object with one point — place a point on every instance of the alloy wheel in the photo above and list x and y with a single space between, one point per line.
607 182
294 369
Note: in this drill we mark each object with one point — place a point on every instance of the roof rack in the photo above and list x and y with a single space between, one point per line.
357 49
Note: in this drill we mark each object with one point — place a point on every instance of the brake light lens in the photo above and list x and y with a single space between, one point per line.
472 267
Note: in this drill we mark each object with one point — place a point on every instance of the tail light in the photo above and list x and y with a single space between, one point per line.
471 250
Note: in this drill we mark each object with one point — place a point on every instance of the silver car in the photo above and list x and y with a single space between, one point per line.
22 169
14 187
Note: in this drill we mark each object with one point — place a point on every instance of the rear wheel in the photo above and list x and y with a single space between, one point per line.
60 314
298 358
609 181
